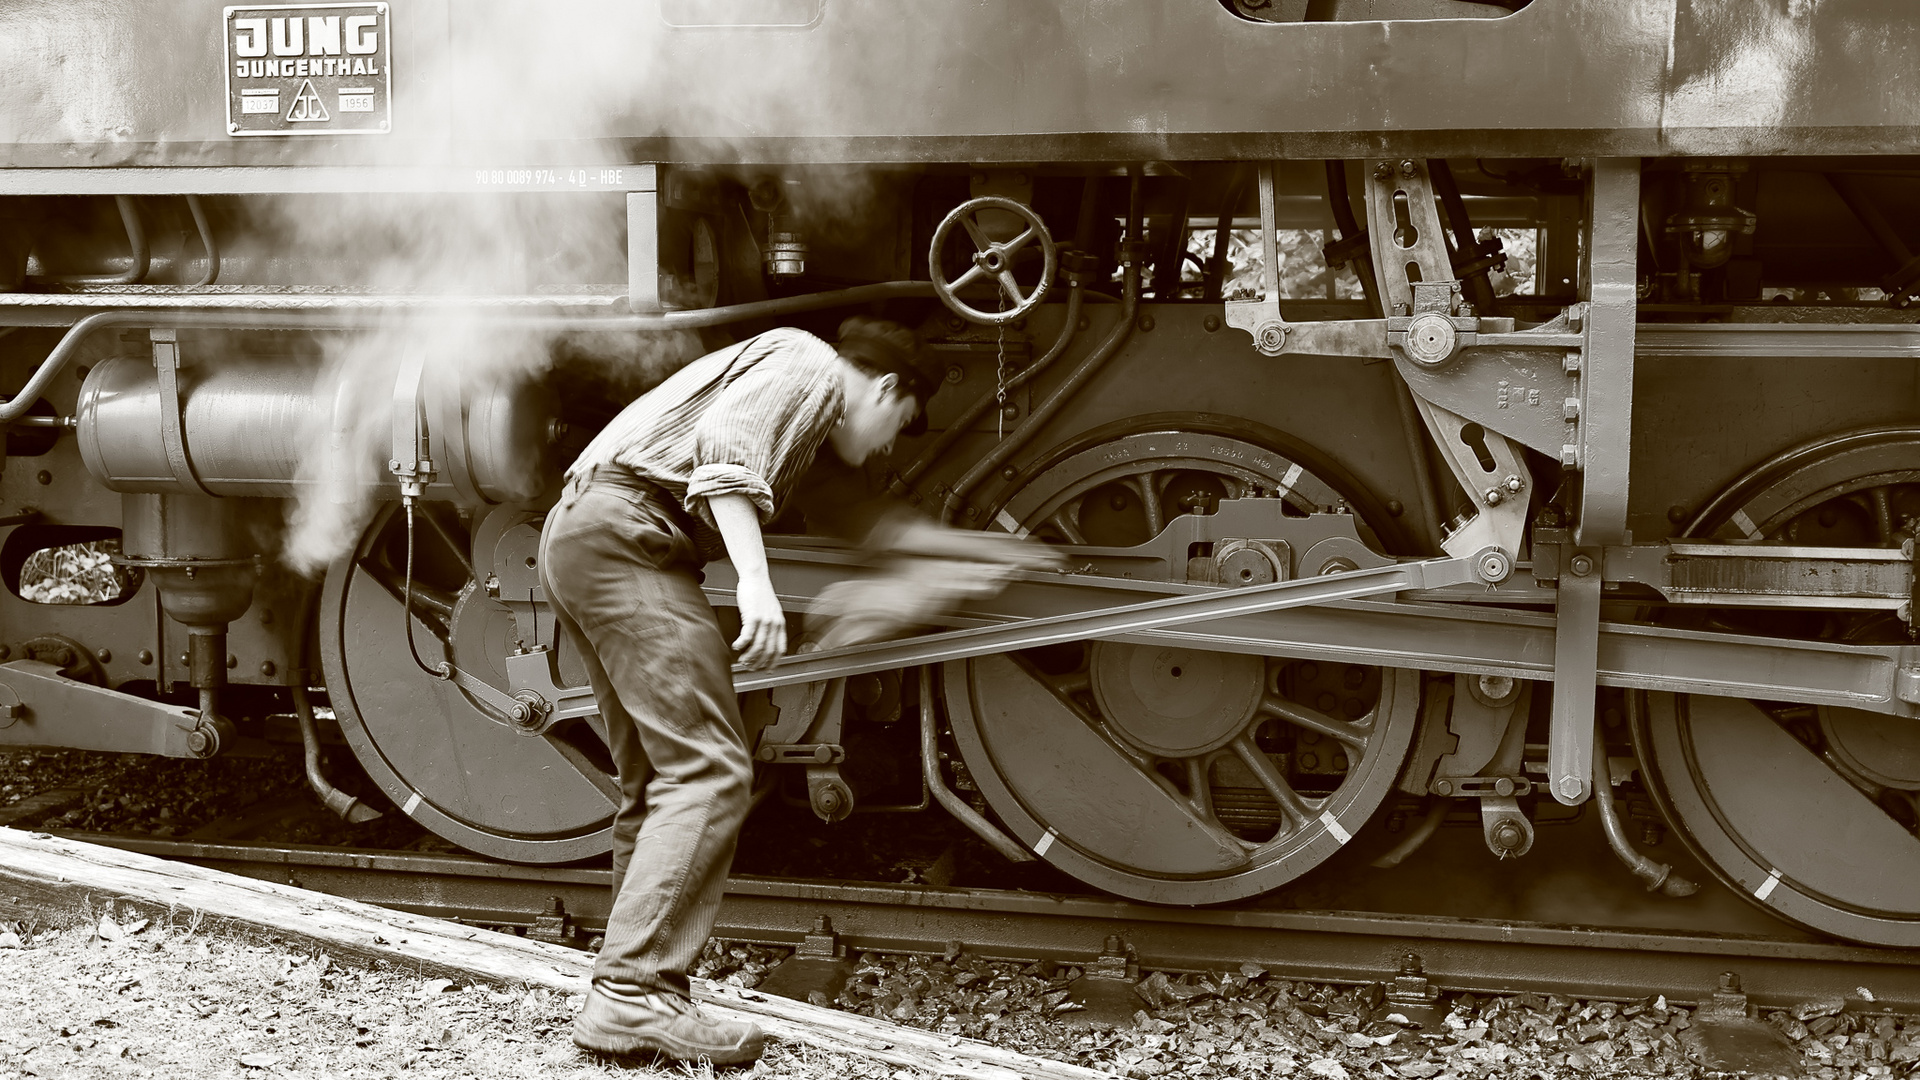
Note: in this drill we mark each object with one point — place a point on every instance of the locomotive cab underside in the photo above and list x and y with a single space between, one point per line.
1506 489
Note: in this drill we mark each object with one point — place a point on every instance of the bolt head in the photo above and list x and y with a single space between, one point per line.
1495 687
1408 168
1494 566
1582 565
1495 496
1571 787
1431 338
1509 836
1272 338
1383 171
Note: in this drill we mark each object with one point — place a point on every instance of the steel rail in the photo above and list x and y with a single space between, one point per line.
1478 955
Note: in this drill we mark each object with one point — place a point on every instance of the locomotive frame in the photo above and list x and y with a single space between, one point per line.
1644 452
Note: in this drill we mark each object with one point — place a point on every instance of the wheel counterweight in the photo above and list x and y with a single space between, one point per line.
474 782
1807 812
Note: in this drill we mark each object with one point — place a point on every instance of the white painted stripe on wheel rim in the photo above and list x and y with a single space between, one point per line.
1045 843
1766 887
413 803
1006 521
1333 823
1745 524
1286 482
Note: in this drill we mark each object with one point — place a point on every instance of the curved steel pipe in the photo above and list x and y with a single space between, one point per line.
974 412
1657 875
1079 376
1046 410
930 768
1417 836
309 313
142 257
207 241
350 809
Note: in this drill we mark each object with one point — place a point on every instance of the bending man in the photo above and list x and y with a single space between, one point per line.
689 472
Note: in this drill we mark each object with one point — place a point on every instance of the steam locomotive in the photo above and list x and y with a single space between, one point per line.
1492 404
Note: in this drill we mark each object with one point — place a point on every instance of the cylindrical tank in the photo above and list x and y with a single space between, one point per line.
245 426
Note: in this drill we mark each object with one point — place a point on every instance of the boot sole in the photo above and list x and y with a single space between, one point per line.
630 1043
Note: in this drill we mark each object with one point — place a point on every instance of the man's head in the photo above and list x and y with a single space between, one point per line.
888 393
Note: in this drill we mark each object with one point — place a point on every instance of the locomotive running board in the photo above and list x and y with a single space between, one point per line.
1453 637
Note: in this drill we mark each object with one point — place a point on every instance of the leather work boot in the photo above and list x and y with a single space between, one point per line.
666 1023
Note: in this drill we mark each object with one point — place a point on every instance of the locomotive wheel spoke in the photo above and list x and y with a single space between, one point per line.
1148 490
1063 521
1352 734
1269 776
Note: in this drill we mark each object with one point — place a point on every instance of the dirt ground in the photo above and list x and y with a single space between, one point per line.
173 1003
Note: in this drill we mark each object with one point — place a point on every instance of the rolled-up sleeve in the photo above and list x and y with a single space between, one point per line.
758 429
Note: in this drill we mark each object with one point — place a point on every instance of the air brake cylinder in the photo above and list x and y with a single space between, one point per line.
247 427
195 550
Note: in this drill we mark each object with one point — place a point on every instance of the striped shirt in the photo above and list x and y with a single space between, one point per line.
746 420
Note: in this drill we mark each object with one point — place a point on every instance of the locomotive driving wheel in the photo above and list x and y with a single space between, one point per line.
431 748
1169 774
1808 811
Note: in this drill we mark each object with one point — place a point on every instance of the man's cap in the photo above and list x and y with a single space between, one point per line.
886 346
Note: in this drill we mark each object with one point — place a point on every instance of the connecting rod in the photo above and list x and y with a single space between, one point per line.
1108 622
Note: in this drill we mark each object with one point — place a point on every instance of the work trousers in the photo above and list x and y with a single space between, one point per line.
622 578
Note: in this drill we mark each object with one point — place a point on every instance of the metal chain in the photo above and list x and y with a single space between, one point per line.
1000 383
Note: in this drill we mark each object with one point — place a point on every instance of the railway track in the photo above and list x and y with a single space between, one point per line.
1458 953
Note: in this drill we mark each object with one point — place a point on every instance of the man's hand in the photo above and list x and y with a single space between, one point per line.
763 626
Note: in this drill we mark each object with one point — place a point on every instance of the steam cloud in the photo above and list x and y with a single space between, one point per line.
605 85
442 248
